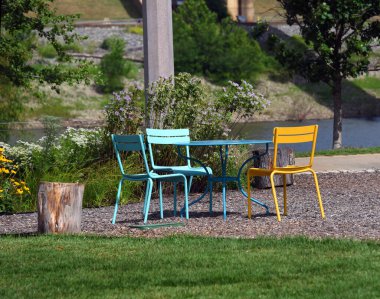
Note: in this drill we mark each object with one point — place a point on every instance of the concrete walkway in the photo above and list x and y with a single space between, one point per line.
344 163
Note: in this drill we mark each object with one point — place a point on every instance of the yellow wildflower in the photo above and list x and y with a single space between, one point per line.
1 190
1 149
16 183
19 191
22 182
14 172
5 170
26 188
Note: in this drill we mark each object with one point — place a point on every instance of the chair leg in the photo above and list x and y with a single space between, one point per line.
224 188
249 195
275 196
190 182
117 201
145 197
285 200
161 206
175 200
186 188
148 196
210 190
318 193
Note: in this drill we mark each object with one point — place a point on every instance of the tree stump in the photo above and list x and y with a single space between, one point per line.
60 207
285 156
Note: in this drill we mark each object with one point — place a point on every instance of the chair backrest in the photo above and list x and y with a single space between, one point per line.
129 143
286 135
167 137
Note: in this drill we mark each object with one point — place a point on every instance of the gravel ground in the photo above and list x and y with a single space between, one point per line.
351 202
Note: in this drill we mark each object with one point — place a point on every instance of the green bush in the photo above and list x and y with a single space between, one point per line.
114 67
135 30
221 51
47 51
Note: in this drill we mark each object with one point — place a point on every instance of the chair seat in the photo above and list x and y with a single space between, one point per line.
185 170
288 170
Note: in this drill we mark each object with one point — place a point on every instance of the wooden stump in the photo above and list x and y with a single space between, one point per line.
60 207
285 156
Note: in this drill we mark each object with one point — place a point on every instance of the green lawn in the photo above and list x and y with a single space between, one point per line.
187 267
343 151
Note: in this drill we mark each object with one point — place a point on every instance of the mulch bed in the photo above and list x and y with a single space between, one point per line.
351 202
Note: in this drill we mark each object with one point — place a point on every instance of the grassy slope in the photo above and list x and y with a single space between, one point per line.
187 267
99 9
122 9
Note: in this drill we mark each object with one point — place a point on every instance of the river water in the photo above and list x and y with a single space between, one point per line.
357 132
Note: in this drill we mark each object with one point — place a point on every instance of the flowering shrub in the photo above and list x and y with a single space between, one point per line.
242 99
10 187
124 113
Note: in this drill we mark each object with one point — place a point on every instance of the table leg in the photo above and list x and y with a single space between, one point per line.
224 171
239 180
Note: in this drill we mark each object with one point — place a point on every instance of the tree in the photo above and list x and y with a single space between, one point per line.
221 51
340 32
20 21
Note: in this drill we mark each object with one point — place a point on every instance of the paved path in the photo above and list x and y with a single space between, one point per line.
342 163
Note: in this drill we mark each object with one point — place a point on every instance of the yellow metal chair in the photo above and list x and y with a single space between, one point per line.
286 135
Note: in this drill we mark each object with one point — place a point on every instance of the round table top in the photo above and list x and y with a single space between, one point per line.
222 142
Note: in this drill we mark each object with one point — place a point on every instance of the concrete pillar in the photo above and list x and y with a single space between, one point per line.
247 10
158 41
233 8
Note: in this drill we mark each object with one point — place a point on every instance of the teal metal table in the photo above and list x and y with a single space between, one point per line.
223 153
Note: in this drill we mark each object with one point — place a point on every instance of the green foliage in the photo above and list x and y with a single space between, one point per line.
221 51
135 30
11 103
47 51
219 7
341 33
114 67
125 267
21 21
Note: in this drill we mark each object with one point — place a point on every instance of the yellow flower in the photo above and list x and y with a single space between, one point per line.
16 183
26 188
1 190
14 172
5 170
19 191
22 182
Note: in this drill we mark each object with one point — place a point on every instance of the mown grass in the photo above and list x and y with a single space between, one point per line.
343 151
187 267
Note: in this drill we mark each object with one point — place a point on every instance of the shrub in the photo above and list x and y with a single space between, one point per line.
47 51
114 67
135 30
124 113
221 51
11 189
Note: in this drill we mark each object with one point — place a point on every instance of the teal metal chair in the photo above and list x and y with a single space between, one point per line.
172 137
135 143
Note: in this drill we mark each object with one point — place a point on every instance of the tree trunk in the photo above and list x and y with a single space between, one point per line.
60 207
285 157
338 112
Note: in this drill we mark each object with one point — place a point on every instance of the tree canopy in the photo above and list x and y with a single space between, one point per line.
341 33
22 21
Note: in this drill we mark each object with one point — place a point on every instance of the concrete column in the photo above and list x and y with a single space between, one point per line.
158 39
158 42
233 8
248 10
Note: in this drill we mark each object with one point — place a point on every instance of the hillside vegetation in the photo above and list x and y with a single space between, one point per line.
125 9
99 9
